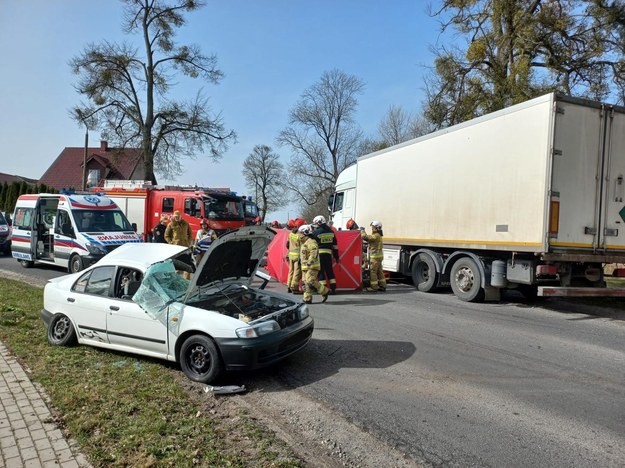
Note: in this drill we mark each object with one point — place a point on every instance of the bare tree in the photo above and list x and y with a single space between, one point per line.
127 90
265 177
399 126
322 135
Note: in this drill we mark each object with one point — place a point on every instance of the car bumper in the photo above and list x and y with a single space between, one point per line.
263 351
5 242
46 316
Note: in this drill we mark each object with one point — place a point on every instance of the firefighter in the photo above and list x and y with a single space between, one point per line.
178 232
309 258
293 245
327 249
377 283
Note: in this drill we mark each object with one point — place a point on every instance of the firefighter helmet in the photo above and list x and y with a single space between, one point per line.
305 229
376 224
319 220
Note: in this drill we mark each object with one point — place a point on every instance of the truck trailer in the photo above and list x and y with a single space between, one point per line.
530 197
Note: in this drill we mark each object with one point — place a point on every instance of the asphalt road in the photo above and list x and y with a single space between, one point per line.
456 384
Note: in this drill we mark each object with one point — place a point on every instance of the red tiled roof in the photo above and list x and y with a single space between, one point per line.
67 170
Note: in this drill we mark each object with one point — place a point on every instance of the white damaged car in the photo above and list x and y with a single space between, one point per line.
133 300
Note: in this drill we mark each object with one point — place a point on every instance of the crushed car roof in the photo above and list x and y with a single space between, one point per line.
141 255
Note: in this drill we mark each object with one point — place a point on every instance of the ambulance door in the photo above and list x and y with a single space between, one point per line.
22 247
64 237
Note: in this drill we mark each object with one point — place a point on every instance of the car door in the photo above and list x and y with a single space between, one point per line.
128 325
88 303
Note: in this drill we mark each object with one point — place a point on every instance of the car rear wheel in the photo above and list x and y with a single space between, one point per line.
61 331
200 359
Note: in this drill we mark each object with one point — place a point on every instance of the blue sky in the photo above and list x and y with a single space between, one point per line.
269 50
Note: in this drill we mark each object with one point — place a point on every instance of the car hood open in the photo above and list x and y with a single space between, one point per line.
234 256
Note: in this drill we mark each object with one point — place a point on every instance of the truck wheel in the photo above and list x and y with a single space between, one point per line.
199 359
424 274
26 263
466 282
61 331
75 264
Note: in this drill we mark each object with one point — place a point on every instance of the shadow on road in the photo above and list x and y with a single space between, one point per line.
324 358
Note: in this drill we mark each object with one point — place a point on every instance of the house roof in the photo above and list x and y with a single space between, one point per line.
67 170
9 179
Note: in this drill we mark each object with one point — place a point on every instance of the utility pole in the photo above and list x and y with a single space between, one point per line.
84 158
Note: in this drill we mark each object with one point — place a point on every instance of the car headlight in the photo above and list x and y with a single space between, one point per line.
95 249
303 312
257 330
4 228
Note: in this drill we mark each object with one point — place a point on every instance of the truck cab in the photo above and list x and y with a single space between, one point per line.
223 210
145 204
251 213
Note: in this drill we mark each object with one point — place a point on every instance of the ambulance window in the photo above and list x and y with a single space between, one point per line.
168 205
63 224
23 218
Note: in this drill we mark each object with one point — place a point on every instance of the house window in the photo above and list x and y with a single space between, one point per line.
168 205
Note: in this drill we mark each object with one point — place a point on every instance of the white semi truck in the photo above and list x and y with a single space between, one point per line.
531 197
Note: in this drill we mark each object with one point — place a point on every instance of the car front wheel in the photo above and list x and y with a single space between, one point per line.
61 331
200 359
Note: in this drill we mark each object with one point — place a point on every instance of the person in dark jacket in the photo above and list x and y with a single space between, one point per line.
327 249
158 233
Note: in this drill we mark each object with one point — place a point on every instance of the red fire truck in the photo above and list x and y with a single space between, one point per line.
250 209
144 204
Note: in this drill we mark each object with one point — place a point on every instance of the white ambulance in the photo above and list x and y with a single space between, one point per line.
67 229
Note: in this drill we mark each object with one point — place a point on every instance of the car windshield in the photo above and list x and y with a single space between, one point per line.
223 208
161 286
2 220
101 221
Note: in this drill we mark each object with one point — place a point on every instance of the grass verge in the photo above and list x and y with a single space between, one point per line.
129 411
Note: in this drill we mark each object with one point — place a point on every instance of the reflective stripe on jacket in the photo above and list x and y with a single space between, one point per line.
293 244
327 241
375 245
309 255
